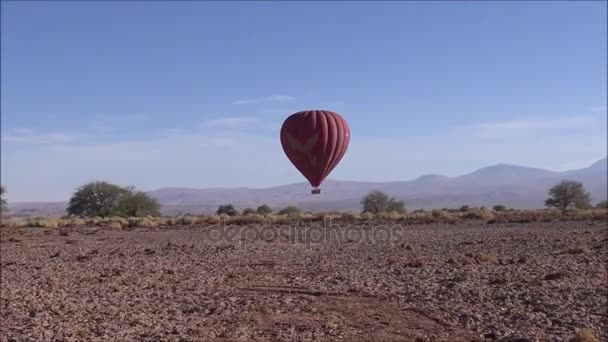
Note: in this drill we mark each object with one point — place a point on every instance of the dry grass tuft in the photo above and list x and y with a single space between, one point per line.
75 223
482 257
43 223
351 217
556 276
115 226
584 335
391 216
578 250
14 222
141 222
417 262
461 260
459 277
188 220
248 219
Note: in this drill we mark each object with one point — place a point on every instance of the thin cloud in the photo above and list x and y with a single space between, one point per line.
111 123
599 109
30 137
514 127
230 122
272 98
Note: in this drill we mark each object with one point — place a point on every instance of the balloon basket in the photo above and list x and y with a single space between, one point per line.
315 191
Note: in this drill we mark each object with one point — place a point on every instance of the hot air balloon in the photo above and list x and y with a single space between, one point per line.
315 141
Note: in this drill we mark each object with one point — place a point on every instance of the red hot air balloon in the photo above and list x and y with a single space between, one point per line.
315 141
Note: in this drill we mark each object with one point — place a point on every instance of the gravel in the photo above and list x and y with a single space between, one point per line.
436 282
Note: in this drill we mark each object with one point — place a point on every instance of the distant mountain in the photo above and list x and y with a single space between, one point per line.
510 185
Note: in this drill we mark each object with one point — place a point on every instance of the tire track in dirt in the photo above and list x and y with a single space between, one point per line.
352 316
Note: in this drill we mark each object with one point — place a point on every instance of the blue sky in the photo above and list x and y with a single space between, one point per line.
192 94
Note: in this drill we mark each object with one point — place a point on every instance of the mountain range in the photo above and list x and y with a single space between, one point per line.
511 185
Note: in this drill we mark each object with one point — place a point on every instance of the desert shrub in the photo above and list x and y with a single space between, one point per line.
461 260
227 209
248 211
584 335
499 208
282 219
40 222
120 220
499 218
578 250
464 208
477 215
116 225
248 219
92 221
484 257
350 217
141 222
163 221
367 216
188 220
602 205
424 218
306 217
14 222
211 219
290 210
388 215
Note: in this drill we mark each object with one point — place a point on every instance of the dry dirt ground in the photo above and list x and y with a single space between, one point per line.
507 282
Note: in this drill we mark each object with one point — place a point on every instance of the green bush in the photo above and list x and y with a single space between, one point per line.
139 204
289 210
226 209
264 210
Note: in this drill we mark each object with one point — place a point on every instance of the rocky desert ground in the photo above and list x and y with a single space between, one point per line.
431 282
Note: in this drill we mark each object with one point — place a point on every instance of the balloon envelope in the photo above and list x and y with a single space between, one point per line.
315 141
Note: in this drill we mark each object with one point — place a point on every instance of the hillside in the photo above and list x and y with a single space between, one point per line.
510 185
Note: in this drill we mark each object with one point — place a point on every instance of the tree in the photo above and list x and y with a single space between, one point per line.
139 204
105 199
2 199
263 210
568 194
377 202
602 205
97 198
227 209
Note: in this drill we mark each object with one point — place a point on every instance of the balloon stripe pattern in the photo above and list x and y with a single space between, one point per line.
315 141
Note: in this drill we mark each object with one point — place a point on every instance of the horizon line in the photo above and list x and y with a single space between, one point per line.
332 180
